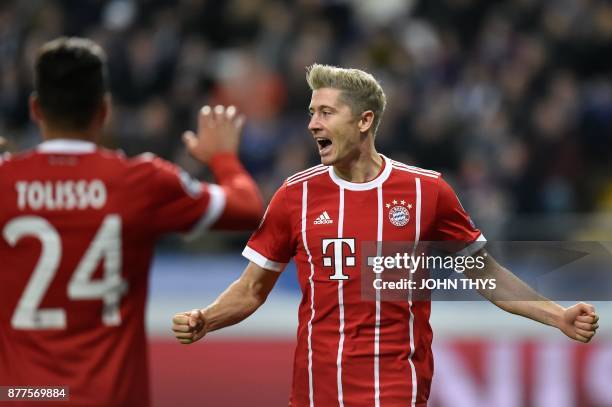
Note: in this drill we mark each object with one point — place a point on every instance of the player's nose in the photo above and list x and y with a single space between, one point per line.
314 126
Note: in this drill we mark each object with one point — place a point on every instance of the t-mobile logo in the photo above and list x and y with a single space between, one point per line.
339 261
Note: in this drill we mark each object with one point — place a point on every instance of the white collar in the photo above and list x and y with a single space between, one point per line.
71 146
363 186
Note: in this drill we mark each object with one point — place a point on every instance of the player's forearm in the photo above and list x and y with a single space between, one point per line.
233 306
513 295
243 206
543 311
241 298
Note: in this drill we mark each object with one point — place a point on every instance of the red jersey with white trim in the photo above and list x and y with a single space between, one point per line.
352 352
78 225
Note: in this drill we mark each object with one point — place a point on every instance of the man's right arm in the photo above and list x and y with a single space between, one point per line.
269 250
184 204
216 144
235 304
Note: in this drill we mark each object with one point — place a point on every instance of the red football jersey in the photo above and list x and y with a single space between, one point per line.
77 229
350 351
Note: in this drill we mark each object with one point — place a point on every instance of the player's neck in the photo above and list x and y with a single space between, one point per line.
55 134
361 169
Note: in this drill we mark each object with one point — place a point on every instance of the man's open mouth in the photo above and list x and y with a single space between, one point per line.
323 142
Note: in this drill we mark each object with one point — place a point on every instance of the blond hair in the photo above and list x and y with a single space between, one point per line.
359 89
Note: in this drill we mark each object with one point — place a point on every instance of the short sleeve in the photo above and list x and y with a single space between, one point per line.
454 224
182 203
271 245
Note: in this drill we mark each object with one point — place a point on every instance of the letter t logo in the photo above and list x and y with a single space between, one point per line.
339 261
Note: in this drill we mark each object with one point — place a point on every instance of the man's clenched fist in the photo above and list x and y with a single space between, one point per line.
189 326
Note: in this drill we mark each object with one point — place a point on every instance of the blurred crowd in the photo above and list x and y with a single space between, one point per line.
511 100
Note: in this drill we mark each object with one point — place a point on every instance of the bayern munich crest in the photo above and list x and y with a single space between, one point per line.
398 213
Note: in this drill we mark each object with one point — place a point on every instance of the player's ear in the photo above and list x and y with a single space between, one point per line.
35 110
366 121
105 109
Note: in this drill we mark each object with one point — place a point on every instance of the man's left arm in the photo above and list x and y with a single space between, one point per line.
579 322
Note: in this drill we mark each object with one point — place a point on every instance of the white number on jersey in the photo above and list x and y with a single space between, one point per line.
105 247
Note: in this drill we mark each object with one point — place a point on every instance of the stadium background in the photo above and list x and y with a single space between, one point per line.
511 100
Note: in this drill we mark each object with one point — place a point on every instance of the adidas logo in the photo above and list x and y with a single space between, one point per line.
323 219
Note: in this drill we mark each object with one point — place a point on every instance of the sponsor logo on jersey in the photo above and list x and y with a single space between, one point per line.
337 259
323 219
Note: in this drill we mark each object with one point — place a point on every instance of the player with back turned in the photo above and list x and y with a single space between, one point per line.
78 225
352 352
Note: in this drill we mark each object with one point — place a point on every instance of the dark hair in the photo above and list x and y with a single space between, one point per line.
70 81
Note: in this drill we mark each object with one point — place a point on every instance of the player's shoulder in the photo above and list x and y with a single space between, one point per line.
8 160
161 173
5 158
310 174
150 162
411 171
